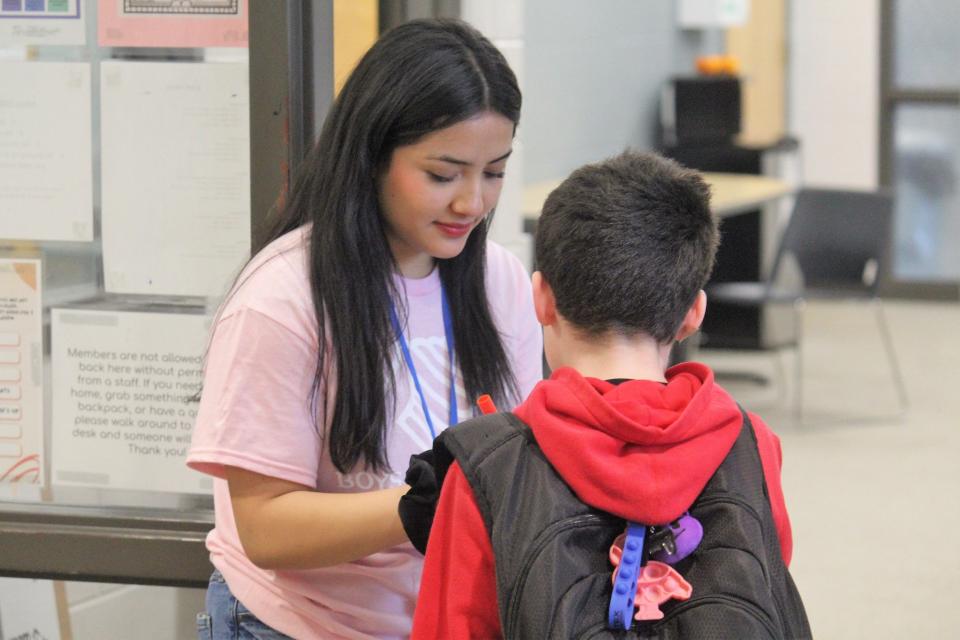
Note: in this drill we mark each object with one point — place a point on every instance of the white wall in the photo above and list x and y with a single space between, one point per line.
120 612
834 90
590 74
502 22
594 75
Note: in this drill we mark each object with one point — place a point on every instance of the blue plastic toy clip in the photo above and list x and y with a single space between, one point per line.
620 614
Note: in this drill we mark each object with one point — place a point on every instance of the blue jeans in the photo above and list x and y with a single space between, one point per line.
227 619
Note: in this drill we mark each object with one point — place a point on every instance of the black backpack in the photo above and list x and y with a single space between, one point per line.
553 573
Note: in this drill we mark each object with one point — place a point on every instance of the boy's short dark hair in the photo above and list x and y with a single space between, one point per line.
626 244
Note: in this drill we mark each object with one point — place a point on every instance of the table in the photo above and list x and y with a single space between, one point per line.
732 193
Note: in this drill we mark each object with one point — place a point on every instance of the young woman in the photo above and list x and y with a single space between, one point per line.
371 320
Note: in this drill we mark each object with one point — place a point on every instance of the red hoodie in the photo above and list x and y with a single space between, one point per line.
641 450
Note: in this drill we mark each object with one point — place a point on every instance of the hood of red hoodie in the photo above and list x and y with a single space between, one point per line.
641 450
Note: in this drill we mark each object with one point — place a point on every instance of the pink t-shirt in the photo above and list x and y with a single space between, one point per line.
255 414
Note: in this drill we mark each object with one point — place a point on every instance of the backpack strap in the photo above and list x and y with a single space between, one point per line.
472 442
467 440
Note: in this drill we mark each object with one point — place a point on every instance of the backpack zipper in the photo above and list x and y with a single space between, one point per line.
548 534
638 629
736 499
727 496
748 607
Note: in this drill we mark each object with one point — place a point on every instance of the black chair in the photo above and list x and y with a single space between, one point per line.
838 241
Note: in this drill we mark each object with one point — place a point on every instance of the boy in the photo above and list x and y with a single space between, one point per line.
520 541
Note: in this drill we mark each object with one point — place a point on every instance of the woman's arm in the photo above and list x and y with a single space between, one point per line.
285 525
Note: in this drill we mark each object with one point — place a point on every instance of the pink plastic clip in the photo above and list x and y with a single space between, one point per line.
657 583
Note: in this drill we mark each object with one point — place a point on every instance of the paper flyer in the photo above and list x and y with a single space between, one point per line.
172 23
41 22
122 409
21 372
45 151
176 219
28 610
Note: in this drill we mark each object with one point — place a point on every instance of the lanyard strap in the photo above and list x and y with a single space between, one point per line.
408 358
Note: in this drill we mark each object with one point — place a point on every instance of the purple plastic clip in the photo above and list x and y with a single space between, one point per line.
673 542
620 613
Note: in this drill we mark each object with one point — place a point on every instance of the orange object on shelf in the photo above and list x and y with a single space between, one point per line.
716 65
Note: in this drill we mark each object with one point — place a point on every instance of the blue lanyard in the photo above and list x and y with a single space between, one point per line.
408 357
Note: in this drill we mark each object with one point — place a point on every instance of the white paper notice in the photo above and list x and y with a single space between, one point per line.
39 22
45 151
121 386
176 176
21 373
28 610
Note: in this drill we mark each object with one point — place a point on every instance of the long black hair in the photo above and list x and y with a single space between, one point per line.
419 77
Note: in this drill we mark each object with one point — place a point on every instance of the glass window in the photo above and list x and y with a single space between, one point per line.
927 48
926 166
124 216
125 213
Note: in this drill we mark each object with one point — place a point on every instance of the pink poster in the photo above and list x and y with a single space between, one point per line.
173 23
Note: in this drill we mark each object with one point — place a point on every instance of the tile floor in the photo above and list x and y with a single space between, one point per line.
874 498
